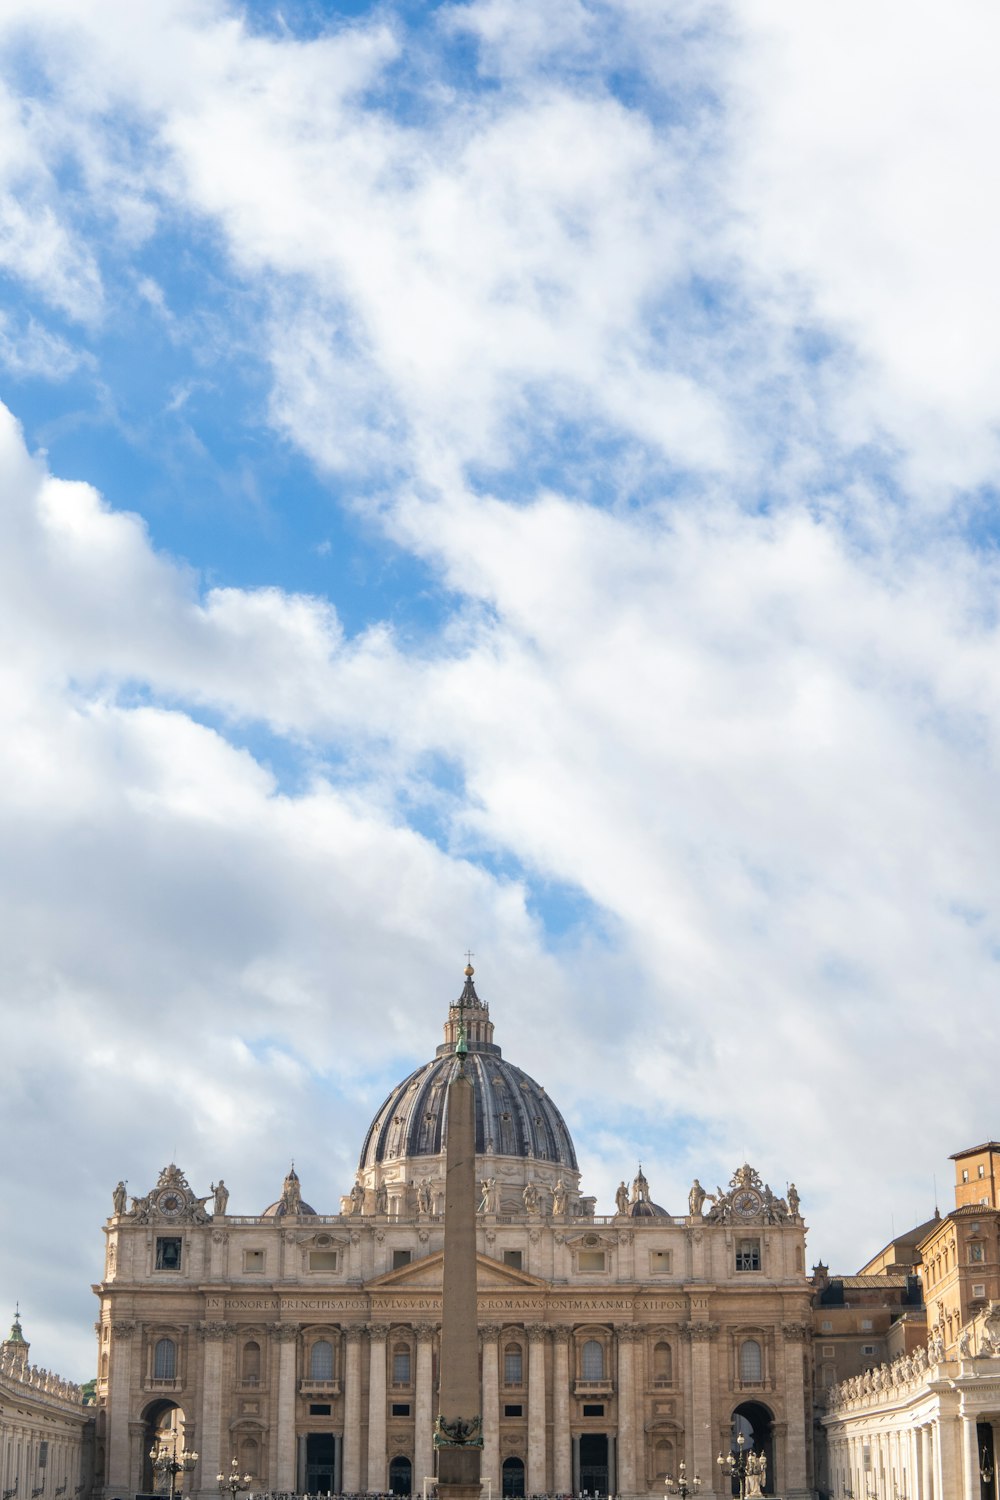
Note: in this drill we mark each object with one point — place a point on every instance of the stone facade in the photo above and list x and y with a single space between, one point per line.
46 1431
306 1345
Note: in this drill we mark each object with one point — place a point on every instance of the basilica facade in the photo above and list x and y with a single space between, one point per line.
300 1347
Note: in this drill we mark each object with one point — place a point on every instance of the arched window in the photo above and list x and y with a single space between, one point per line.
513 1365
663 1364
592 1360
751 1364
401 1364
251 1362
321 1360
165 1360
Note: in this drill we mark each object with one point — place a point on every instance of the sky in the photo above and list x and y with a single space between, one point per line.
517 478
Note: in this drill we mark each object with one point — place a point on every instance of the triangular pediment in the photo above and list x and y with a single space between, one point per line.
426 1275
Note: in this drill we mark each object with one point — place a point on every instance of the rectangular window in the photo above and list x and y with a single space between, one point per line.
253 1260
591 1260
320 1409
982 1172
868 1350
978 1289
866 1325
401 1366
592 1409
748 1255
168 1253
659 1262
513 1259
965 1174
324 1260
513 1411
43 1453
401 1408
828 1351
401 1258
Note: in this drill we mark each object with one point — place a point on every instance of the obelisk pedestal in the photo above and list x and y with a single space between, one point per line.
458 1430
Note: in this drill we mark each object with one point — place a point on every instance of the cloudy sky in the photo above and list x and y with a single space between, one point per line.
519 477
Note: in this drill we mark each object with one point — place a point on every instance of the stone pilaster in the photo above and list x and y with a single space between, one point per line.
562 1450
536 1478
286 1335
120 1480
490 1335
212 1336
795 1482
701 1459
627 1339
352 1411
376 1407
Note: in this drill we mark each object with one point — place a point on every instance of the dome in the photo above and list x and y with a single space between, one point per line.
290 1202
514 1115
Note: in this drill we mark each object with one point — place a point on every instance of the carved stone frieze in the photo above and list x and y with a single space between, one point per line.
284 1333
795 1333
537 1333
700 1333
123 1330
217 1331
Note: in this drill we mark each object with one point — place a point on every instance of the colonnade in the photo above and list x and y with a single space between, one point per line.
926 1456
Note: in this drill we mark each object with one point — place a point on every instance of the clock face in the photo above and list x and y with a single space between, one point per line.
170 1203
748 1202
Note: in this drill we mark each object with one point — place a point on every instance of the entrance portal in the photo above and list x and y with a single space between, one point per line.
321 1452
401 1476
513 1479
757 1426
594 1470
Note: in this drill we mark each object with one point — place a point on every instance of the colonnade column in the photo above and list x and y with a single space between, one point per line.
970 1455
698 1446
926 1464
537 1483
287 1335
210 1446
562 1452
490 1334
423 1441
627 1339
352 1411
376 1407
119 1479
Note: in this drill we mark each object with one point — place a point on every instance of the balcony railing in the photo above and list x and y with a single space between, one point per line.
319 1387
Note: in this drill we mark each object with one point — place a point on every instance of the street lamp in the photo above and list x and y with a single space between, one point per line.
233 1482
736 1464
679 1486
168 1463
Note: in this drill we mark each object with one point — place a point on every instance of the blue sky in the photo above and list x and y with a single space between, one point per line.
496 476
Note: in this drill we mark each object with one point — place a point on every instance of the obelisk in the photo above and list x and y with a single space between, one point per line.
458 1432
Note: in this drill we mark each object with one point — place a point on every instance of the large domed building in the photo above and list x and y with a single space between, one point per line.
301 1345
521 1138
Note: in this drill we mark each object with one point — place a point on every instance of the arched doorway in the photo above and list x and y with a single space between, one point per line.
512 1479
756 1423
164 1429
401 1476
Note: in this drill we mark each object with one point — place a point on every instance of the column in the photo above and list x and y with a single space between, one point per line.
794 1480
626 1411
970 1452
352 1412
698 1442
562 1452
536 1482
376 1407
210 1450
490 1334
423 1442
120 1480
287 1335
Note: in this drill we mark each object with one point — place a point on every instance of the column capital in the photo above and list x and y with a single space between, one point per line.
123 1330
376 1331
490 1332
628 1334
699 1333
426 1332
537 1333
216 1331
561 1330
285 1333
795 1333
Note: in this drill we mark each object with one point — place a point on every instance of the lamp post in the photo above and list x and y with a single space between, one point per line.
168 1463
680 1486
233 1482
734 1465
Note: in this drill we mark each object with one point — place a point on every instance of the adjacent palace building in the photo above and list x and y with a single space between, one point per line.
304 1344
